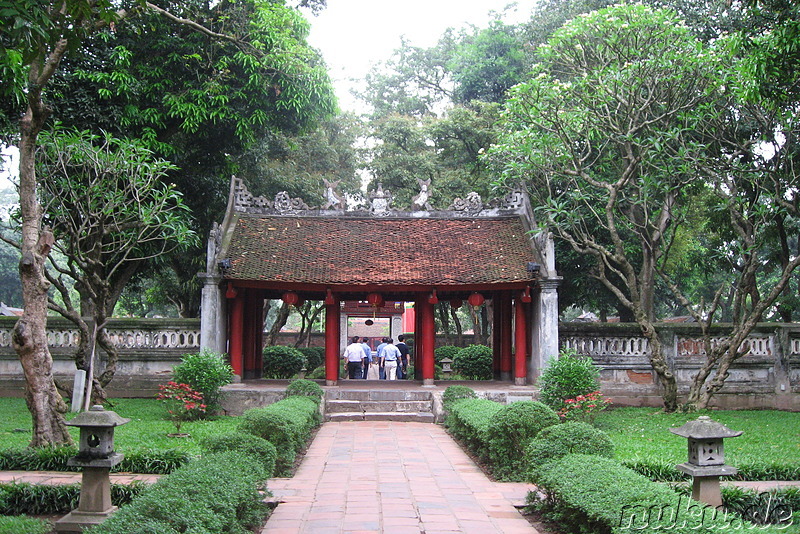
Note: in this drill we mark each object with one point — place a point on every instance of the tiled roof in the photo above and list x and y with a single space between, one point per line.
362 251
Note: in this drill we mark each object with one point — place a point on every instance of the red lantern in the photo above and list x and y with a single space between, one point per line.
329 300
526 295
475 299
290 298
231 292
456 303
433 299
375 299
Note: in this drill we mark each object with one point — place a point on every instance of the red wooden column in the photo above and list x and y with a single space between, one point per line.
419 343
428 341
252 336
332 334
520 343
505 334
236 330
496 320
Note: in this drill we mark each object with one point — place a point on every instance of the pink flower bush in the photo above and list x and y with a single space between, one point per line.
584 407
182 402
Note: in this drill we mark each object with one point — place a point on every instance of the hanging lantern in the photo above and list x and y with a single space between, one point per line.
433 299
375 299
456 303
526 295
231 292
475 299
291 298
329 300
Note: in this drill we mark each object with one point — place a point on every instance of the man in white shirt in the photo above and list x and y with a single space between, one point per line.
354 354
389 357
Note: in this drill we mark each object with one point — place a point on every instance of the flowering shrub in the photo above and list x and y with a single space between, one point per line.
182 403
584 407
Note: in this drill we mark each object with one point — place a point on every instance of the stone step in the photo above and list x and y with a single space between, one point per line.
405 417
343 406
377 395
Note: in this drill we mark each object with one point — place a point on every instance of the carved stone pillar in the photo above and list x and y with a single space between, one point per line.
545 331
212 314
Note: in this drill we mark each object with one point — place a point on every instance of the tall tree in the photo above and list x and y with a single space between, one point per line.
605 133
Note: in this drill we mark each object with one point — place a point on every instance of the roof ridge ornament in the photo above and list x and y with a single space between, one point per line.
472 203
420 201
380 201
285 204
333 198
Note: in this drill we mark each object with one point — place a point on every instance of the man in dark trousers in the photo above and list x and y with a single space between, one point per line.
402 371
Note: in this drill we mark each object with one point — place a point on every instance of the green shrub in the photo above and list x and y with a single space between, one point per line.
155 461
475 362
446 351
508 432
567 377
282 362
557 441
216 493
206 371
44 499
454 393
259 448
597 495
315 356
468 420
305 388
23 525
37 459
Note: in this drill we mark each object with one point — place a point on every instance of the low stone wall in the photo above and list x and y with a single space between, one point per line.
148 350
767 377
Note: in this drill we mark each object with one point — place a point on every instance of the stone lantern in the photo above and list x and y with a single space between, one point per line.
706 457
96 456
447 366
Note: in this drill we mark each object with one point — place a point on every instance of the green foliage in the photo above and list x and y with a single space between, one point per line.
468 421
206 371
509 430
158 461
455 393
287 424
474 362
305 388
593 494
282 362
315 357
767 507
216 493
45 499
23 525
567 377
445 351
557 441
258 448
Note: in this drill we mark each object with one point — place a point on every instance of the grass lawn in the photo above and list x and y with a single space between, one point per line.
642 435
148 428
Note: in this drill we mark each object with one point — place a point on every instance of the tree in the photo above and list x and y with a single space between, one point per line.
109 210
606 134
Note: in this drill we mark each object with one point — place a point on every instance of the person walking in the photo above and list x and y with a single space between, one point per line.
390 358
368 360
402 366
354 355
379 351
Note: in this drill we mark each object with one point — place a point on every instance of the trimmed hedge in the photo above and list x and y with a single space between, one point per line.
43 499
206 371
258 448
445 351
468 420
305 388
23 525
557 441
508 431
593 494
287 424
566 377
282 362
455 393
314 357
474 362
216 493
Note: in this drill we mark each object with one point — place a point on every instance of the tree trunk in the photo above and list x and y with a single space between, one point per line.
280 322
665 375
445 320
29 337
459 329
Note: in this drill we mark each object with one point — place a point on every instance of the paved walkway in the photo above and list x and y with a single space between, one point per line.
395 478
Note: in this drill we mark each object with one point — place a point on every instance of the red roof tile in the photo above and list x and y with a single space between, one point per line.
361 251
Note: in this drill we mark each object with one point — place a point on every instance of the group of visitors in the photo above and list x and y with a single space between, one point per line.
389 361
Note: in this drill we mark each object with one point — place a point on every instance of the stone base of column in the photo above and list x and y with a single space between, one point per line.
331 382
520 381
428 382
78 521
706 489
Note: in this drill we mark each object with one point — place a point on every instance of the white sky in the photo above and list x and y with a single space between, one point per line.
354 35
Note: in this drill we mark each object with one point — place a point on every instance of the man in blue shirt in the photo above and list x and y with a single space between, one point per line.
368 359
380 358
389 358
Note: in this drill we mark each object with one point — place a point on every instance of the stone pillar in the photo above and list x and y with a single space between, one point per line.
520 343
546 326
332 347
212 314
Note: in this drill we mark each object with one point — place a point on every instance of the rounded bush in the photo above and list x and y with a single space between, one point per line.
314 357
282 362
446 351
567 377
557 441
474 362
206 371
508 432
257 447
305 388
454 393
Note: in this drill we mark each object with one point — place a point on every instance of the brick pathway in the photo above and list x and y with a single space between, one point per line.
394 478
